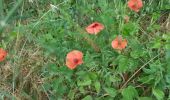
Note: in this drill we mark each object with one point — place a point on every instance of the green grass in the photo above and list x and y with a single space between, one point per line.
38 34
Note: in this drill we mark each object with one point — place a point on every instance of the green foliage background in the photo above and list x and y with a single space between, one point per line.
39 34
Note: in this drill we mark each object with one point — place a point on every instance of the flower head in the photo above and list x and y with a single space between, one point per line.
135 5
3 54
118 43
94 28
74 58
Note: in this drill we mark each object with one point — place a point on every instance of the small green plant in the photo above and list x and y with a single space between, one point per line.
81 49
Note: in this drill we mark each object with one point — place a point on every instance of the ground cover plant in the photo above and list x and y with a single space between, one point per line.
84 50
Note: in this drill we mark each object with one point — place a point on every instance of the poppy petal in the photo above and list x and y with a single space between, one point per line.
115 43
94 28
70 65
135 5
123 44
3 54
118 43
74 58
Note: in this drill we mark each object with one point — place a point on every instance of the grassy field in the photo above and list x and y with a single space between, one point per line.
39 34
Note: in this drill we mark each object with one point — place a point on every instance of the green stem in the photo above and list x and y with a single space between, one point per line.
1 9
11 13
13 10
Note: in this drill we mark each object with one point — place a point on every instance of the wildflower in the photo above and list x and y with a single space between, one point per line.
118 43
94 28
74 58
3 54
135 5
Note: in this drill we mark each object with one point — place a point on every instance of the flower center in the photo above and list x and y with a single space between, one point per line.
135 5
119 43
95 25
75 61
119 40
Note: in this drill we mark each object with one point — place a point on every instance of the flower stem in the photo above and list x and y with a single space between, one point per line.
11 12
1 9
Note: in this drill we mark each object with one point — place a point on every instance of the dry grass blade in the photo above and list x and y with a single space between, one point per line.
124 85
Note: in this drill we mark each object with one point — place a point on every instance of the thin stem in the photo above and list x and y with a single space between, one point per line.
10 13
1 9
138 71
89 40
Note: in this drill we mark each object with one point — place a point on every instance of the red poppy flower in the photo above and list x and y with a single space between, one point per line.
3 54
94 28
74 58
135 5
119 43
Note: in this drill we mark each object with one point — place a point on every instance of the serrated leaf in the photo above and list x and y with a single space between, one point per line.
111 91
135 54
97 86
103 4
130 29
88 97
84 82
123 65
92 75
129 93
144 98
146 79
167 77
156 45
159 94
133 64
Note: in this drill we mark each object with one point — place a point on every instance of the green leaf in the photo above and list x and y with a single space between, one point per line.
84 82
88 58
92 75
82 90
129 93
103 4
156 45
147 79
52 68
97 86
168 59
144 98
71 94
133 64
111 91
123 65
159 94
135 54
155 16
166 36
167 46
88 97
130 29
167 77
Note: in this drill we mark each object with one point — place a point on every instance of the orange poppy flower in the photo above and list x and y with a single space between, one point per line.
94 28
3 54
135 5
119 43
74 58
